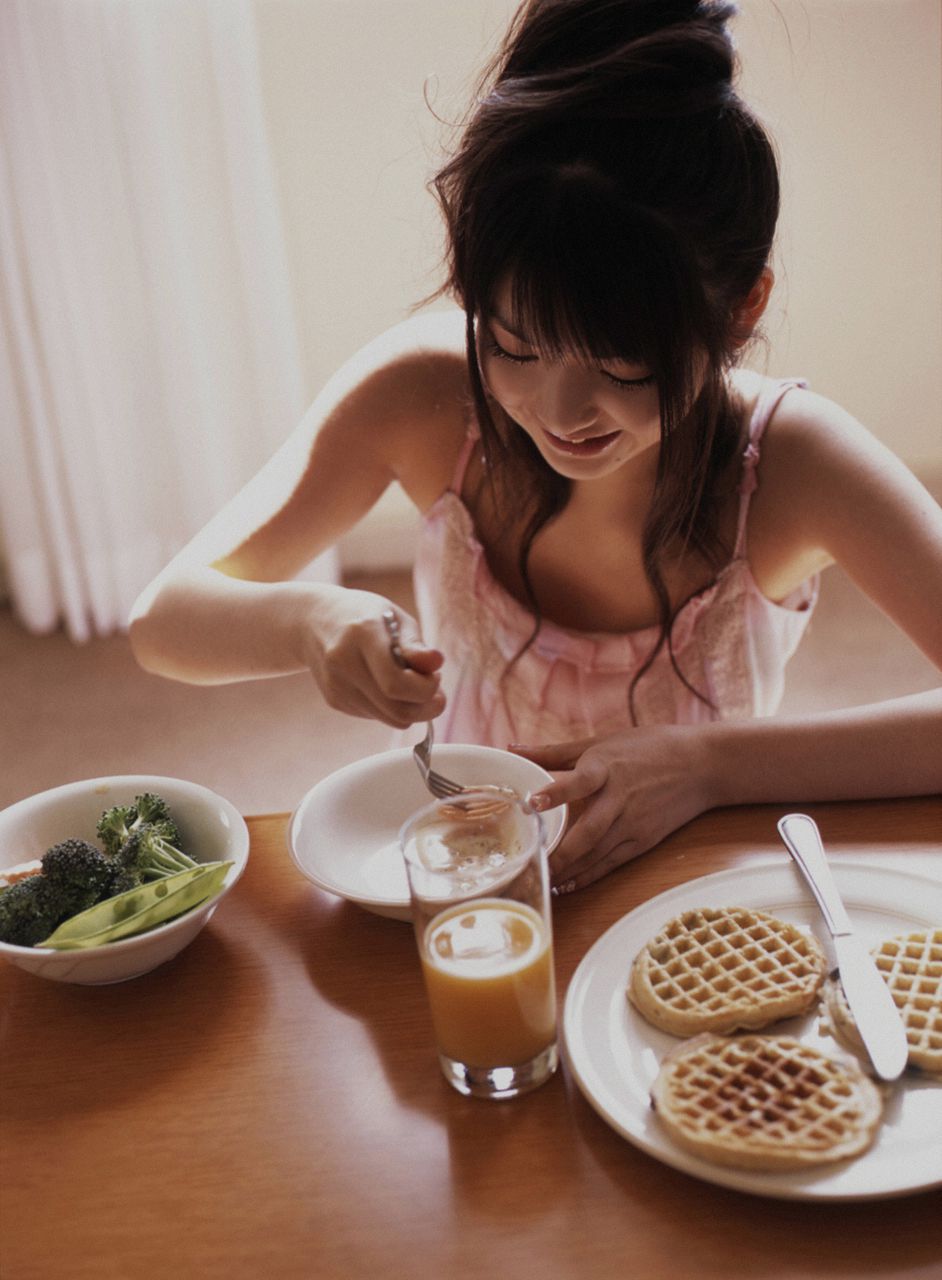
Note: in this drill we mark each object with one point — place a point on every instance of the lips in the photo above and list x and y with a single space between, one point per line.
586 448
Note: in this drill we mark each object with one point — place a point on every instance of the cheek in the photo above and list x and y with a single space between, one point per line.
637 412
506 383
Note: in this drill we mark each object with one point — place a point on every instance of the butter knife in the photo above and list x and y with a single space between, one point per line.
868 996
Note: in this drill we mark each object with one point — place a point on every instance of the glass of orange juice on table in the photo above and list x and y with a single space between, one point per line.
479 888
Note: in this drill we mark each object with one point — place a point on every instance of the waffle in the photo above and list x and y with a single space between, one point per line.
911 965
722 969
764 1102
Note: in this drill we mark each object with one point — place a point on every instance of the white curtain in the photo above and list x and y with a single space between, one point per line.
148 347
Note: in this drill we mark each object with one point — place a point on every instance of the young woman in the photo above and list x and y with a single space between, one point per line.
622 527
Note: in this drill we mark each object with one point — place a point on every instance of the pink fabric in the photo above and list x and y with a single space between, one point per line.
731 642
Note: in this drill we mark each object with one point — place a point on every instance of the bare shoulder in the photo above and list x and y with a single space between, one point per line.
819 461
417 366
403 402
423 351
830 492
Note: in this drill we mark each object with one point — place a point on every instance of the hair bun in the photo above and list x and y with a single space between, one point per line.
619 59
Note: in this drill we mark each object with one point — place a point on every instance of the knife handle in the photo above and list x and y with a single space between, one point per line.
803 840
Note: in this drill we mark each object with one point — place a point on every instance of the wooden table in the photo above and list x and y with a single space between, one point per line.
269 1105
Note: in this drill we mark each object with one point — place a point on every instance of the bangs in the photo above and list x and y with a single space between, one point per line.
588 274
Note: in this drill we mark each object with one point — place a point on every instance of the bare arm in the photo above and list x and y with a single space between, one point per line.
831 492
642 784
227 608
891 748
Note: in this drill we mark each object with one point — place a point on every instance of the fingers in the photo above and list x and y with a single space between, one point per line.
590 871
584 780
360 702
595 843
406 645
592 847
402 679
362 678
559 755
402 703
403 692
587 836
422 659
351 689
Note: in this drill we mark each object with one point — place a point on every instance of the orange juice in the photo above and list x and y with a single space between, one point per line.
489 974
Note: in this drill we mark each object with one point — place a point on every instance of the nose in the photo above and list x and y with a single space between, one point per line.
566 403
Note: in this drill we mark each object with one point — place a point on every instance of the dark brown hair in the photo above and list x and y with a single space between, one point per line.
611 173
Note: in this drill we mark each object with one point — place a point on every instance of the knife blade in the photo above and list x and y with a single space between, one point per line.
868 996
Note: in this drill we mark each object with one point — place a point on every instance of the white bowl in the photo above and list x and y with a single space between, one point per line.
211 830
344 835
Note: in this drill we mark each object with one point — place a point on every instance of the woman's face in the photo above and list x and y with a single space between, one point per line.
586 419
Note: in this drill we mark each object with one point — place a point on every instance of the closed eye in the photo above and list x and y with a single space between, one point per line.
502 353
628 384
624 384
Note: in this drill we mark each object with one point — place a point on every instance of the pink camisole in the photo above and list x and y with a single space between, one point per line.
731 641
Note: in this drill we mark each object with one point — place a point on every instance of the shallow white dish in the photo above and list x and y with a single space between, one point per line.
614 1054
211 830
344 835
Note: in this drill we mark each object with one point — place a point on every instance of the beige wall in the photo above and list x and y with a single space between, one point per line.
850 89
354 145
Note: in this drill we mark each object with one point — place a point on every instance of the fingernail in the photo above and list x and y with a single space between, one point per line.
559 889
539 802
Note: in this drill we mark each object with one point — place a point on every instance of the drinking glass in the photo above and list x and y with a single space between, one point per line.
479 889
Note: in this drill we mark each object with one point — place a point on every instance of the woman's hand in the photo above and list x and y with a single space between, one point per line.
349 654
627 790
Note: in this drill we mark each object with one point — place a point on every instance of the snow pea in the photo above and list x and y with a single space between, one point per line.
139 909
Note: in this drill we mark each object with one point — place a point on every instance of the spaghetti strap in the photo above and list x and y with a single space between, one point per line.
461 463
765 406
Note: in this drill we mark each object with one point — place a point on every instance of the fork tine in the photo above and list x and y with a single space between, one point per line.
441 786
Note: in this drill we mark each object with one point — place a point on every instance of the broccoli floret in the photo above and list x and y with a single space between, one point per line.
27 915
154 811
147 855
114 827
118 824
77 875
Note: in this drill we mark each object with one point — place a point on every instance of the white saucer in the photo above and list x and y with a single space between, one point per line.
344 835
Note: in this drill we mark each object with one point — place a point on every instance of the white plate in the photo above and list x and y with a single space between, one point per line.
614 1054
344 835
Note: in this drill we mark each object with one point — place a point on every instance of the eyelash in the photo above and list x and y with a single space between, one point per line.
623 384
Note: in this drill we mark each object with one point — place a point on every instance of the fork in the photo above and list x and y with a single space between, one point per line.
437 783
474 808
471 808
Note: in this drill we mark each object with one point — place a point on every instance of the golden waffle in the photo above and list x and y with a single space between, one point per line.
721 969
764 1102
911 966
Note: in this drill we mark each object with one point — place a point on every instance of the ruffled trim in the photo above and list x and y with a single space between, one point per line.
591 650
